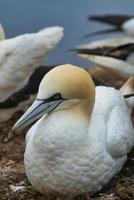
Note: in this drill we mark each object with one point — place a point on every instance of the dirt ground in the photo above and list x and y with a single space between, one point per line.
12 172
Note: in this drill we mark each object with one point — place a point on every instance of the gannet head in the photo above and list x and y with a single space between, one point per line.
61 88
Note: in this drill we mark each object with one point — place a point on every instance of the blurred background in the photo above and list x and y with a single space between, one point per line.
23 16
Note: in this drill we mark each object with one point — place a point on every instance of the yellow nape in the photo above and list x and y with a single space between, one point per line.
69 80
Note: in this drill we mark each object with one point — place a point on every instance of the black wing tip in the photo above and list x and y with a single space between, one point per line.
94 51
105 16
128 47
99 82
111 19
76 50
126 96
101 32
79 51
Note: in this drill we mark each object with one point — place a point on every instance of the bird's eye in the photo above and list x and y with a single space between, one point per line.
56 97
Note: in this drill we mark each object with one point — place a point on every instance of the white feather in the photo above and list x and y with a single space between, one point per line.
114 41
125 67
128 27
19 57
70 155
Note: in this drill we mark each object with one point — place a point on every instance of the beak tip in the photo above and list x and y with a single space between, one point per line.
12 132
10 135
14 128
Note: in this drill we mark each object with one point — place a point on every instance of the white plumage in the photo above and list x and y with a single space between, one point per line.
72 156
124 67
19 57
80 146
112 41
120 58
128 27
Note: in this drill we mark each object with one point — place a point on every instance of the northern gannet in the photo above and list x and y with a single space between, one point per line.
108 69
21 55
82 137
110 42
120 23
120 58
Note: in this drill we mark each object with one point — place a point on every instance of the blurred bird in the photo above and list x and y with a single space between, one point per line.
110 42
86 131
121 23
21 55
120 58
109 76
23 98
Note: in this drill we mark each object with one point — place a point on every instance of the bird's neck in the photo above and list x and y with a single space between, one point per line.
84 109
87 107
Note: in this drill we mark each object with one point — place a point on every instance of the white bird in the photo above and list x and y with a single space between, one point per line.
83 135
120 58
23 98
120 23
21 55
19 58
109 42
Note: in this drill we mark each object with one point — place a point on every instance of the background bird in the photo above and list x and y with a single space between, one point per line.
21 55
22 99
115 64
120 23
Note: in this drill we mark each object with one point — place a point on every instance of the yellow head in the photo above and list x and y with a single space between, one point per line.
61 88
68 80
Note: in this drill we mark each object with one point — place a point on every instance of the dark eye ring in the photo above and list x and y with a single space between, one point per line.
55 97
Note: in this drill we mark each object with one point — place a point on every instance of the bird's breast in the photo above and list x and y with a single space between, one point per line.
58 156
60 130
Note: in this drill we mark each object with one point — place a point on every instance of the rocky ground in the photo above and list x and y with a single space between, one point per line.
12 172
